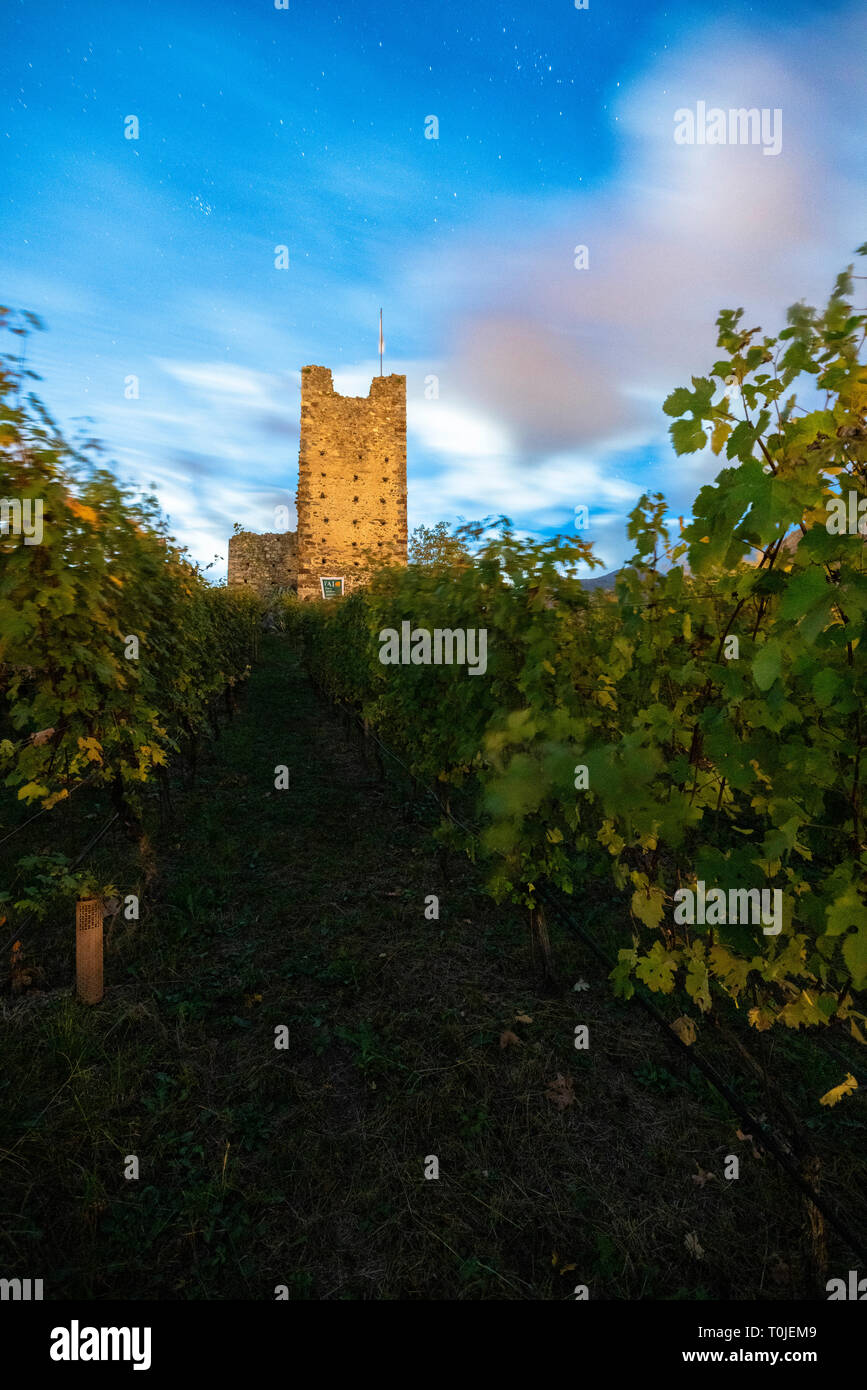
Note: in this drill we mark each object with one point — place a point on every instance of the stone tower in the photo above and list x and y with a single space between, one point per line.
351 498
351 480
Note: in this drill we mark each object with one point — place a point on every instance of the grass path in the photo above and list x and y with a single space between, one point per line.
304 1167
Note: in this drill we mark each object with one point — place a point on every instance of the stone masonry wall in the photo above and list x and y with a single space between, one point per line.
351 479
263 562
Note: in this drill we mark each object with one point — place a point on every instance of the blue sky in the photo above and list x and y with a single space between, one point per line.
305 127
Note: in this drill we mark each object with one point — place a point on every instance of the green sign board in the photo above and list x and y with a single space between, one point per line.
331 588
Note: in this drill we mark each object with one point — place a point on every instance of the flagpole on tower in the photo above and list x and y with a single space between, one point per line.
381 343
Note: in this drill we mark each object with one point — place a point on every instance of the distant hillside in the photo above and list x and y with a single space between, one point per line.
601 581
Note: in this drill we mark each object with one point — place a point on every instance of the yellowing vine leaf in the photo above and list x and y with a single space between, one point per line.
697 981
83 512
720 433
607 835
91 748
648 904
657 969
730 969
30 791
801 1011
838 1092
761 1019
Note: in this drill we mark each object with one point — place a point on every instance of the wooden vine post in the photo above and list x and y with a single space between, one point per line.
88 950
811 1171
539 936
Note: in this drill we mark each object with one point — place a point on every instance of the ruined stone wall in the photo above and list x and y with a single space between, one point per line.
262 563
351 479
